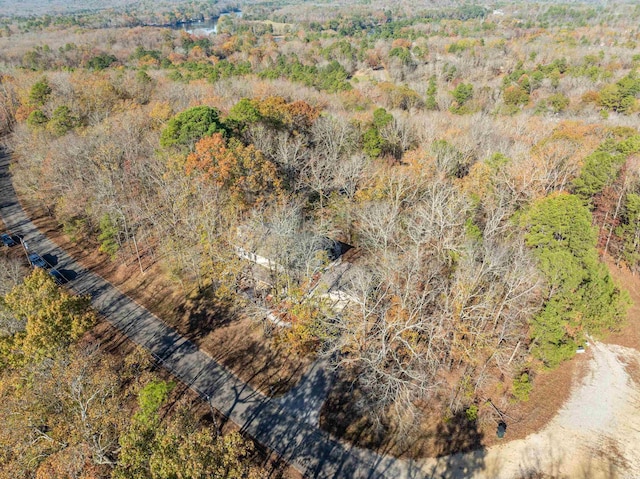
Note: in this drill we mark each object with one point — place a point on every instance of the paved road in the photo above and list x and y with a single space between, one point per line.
287 425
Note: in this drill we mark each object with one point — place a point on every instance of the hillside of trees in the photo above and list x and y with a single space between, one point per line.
479 162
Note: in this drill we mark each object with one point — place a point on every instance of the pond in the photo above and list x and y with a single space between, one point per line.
204 27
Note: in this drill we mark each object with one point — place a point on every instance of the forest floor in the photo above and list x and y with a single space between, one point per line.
629 335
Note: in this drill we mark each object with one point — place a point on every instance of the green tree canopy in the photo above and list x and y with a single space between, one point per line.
373 142
621 96
381 118
180 448
100 62
629 230
40 92
37 119
138 442
582 297
61 121
186 128
463 93
244 112
600 169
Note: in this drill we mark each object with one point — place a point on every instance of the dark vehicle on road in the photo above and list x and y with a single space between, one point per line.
36 261
7 240
57 276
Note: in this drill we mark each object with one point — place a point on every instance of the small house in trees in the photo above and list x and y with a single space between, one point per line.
289 264
298 254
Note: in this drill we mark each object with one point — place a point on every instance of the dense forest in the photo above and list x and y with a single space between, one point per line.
477 163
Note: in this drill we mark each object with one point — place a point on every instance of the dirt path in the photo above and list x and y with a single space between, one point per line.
595 435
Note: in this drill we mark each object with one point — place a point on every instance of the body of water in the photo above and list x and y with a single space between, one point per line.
204 27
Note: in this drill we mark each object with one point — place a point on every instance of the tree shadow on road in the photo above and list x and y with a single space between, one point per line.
342 418
455 443
459 449
68 274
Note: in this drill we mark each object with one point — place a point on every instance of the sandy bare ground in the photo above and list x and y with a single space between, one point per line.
596 434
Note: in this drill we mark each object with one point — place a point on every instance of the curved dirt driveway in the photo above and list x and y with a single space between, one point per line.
596 434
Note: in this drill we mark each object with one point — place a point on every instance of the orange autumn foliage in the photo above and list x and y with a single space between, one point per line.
401 43
242 171
297 115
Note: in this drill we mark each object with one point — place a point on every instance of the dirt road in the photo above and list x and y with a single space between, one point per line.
595 435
